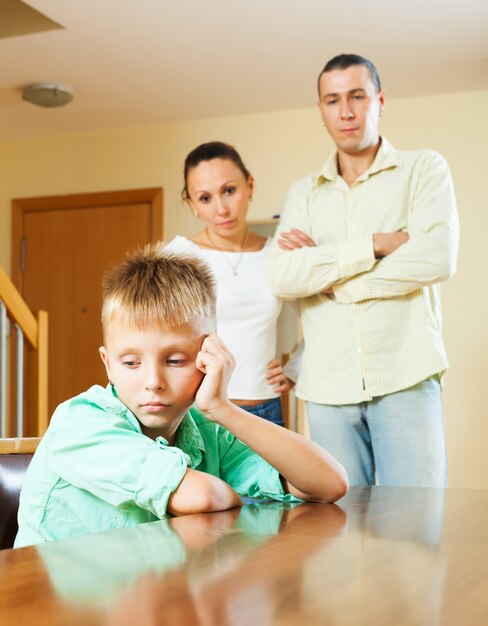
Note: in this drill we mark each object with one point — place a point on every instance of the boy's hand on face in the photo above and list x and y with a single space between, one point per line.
217 363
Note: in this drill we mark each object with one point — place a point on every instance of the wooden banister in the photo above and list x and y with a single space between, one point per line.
35 331
18 310
41 399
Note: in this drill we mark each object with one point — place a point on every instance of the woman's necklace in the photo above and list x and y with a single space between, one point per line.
233 266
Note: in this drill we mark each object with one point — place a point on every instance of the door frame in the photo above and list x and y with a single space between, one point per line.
20 206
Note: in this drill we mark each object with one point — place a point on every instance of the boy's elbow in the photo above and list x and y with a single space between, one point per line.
202 493
333 489
337 486
200 501
339 489
215 495
203 500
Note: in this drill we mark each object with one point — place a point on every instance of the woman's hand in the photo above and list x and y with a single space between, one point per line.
277 378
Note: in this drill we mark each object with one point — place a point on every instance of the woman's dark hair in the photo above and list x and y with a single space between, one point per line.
343 61
207 152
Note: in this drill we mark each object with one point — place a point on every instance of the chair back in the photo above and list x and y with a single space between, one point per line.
15 456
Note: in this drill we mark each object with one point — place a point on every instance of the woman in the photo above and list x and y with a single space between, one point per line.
218 187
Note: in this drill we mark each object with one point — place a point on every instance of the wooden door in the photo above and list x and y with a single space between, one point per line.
68 243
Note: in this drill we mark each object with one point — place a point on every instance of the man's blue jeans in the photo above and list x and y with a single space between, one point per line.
397 439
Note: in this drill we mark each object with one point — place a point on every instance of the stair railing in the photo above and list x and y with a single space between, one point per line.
31 340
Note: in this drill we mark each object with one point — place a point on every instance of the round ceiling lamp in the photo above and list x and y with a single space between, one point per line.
48 94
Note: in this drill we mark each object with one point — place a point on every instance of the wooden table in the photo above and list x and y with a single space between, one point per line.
384 555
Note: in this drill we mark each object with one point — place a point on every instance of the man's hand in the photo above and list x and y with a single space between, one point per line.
386 243
294 239
277 379
217 363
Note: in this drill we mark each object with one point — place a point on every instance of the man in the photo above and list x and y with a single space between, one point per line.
364 244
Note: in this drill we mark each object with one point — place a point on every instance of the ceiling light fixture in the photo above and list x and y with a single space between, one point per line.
48 94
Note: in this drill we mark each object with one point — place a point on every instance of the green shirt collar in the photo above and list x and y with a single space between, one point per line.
188 437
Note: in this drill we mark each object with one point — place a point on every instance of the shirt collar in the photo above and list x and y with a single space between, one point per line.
113 404
385 158
188 437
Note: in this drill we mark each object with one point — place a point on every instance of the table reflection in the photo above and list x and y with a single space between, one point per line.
393 533
184 567
384 555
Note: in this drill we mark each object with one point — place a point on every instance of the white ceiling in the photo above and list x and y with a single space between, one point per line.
138 62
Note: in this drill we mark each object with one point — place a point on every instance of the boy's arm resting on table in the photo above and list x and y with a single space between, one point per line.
428 256
199 492
130 468
309 472
298 272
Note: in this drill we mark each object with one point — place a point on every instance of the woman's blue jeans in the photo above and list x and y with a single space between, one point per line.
270 410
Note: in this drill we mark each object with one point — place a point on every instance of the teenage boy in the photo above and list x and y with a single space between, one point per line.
138 449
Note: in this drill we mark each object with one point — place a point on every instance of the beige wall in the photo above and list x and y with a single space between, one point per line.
278 148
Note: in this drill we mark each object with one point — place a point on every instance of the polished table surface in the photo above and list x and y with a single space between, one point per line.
382 555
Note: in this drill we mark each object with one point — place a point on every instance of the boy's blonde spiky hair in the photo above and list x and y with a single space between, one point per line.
155 286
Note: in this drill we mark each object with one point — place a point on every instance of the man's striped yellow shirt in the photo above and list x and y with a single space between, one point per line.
380 331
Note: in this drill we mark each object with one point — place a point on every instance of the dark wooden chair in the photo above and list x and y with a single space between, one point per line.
15 456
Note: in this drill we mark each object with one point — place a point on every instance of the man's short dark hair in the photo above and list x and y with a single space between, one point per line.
343 61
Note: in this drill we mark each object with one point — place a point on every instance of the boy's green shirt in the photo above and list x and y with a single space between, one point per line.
95 470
